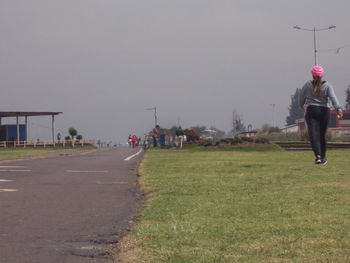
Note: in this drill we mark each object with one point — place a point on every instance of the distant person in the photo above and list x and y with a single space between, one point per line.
59 137
145 144
314 98
134 141
139 141
155 133
179 138
129 140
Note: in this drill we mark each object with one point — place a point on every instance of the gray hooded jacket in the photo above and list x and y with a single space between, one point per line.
322 99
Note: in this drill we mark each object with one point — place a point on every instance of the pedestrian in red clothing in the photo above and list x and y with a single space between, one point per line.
134 141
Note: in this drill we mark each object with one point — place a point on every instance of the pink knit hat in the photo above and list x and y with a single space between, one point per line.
317 71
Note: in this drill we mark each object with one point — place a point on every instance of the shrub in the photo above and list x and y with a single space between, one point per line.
226 141
191 135
305 136
267 128
206 143
329 135
341 138
247 139
73 132
236 140
262 140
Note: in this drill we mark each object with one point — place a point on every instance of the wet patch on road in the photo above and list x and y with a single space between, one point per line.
85 171
65 154
104 183
92 247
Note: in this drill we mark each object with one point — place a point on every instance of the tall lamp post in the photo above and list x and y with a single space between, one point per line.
273 114
314 30
155 115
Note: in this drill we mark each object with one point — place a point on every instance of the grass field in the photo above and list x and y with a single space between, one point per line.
241 206
19 153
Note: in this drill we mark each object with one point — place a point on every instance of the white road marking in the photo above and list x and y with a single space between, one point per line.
132 156
12 170
3 180
79 171
8 190
7 166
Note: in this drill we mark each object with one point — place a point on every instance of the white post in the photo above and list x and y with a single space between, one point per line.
53 130
26 127
17 123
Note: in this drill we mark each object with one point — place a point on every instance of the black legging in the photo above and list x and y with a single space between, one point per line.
317 122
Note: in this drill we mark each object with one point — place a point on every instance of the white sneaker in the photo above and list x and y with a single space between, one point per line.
318 160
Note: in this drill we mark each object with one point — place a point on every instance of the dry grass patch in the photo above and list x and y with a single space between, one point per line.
127 251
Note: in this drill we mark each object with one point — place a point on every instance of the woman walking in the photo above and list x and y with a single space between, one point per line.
314 98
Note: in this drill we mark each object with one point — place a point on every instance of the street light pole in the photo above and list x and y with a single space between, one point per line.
155 115
273 114
315 49
314 29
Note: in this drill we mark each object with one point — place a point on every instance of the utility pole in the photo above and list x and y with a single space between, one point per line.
273 114
155 115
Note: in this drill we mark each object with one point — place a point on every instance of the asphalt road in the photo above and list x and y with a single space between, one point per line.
69 208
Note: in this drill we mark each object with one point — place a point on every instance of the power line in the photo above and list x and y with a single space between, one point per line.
336 50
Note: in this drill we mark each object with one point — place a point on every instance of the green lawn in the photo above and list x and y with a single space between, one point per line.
241 206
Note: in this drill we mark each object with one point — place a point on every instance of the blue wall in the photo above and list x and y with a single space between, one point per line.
11 132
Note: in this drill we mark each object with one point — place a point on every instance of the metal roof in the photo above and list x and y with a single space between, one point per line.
27 113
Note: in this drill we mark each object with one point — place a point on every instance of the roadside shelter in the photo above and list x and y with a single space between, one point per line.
24 128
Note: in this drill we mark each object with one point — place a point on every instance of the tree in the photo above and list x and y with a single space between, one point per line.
170 131
295 112
79 137
191 135
237 123
199 129
267 128
219 134
347 100
72 132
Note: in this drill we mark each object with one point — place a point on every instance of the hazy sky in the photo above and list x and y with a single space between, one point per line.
103 62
